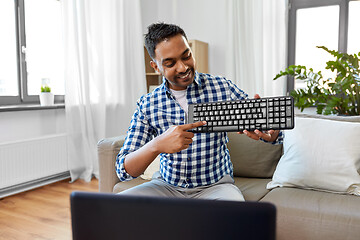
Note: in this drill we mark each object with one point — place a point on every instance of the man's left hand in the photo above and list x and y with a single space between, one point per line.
269 136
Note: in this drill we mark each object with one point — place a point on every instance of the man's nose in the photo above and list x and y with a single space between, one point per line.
181 67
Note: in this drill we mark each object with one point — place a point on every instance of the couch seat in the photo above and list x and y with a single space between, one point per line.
309 214
253 189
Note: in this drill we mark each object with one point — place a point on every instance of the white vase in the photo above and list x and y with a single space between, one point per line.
46 99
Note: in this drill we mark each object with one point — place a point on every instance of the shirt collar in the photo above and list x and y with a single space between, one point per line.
165 86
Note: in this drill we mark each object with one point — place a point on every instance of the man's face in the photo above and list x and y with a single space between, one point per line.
174 60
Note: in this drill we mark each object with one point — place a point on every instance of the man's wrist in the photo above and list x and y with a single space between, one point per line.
154 146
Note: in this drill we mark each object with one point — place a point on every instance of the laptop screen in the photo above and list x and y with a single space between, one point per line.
111 216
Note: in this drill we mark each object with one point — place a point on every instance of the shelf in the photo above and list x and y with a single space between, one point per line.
200 52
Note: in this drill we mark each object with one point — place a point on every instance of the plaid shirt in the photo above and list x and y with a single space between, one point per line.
207 159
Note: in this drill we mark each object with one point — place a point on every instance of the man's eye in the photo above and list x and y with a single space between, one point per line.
187 57
169 64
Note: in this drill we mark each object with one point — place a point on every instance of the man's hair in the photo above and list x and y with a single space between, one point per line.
158 32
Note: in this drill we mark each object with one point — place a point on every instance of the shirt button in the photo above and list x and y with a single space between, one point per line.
182 119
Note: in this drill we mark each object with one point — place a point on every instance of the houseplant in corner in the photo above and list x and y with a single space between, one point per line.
46 96
340 95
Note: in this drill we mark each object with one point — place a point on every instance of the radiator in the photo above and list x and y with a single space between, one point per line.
29 162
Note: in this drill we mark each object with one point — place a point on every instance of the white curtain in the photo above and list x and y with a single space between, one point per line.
257 43
105 75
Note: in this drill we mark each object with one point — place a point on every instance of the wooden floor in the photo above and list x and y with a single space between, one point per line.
42 213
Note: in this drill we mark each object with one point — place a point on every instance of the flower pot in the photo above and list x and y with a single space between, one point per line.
46 99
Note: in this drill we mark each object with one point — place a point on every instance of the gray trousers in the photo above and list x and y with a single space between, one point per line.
222 190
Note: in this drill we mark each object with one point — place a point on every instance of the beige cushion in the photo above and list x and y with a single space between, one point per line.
307 214
253 189
121 186
253 158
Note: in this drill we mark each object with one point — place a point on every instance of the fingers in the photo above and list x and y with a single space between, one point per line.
251 134
189 126
256 135
188 141
264 135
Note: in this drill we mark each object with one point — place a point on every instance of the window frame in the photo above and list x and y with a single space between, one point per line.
23 97
295 5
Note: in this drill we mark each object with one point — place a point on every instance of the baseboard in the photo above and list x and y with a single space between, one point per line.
5 192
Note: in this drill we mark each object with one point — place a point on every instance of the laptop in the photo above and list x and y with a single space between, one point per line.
114 216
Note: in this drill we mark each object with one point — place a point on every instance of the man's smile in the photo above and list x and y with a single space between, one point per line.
186 75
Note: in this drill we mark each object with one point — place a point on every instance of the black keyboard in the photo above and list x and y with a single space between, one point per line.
249 114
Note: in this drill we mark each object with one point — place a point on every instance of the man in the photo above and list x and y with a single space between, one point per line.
191 165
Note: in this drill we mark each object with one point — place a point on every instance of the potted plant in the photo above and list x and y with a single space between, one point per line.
340 95
46 96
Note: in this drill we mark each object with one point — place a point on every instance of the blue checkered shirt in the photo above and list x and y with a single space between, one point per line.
207 159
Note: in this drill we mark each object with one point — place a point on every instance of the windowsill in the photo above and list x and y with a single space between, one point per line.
30 107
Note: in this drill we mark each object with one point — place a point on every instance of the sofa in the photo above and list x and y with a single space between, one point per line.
315 198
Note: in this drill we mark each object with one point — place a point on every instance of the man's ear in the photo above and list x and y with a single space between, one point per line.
154 66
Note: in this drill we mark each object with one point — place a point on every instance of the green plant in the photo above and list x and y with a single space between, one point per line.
340 95
45 89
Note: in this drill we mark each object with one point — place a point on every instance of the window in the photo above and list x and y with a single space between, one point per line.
8 61
330 23
354 22
31 49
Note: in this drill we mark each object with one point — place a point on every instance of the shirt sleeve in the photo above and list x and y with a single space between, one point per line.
139 133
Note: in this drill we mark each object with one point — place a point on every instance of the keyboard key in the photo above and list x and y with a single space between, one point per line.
260 120
225 128
263 110
288 111
288 122
274 126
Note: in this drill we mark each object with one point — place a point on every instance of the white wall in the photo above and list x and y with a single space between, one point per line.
203 20
23 125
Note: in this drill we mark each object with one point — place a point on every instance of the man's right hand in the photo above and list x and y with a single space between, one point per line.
173 140
176 138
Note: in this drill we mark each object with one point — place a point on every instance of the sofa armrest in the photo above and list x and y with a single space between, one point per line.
108 149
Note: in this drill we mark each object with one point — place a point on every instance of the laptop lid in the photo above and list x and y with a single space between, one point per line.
112 216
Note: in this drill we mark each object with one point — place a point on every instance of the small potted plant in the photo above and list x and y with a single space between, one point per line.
340 95
46 96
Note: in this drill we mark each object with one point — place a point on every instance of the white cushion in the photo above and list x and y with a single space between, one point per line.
151 169
320 154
